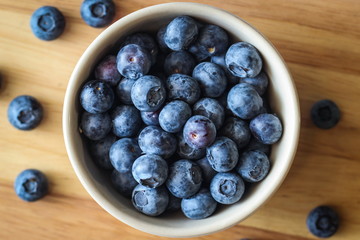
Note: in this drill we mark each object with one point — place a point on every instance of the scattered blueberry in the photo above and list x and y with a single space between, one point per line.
253 166
123 90
244 101
126 121
107 71
325 114
151 118
154 140
99 150
323 222
174 115
31 185
180 62
222 154
237 130
123 153
187 152
96 97
180 32
133 61
148 93
95 126
25 112
266 128
259 82
47 23
183 87
207 171
227 188
150 201
184 179
199 132
211 109
123 182
243 60
97 13
199 206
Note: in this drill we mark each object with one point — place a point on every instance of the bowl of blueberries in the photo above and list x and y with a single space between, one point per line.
181 119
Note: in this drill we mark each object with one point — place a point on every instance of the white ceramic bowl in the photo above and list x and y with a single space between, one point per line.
283 100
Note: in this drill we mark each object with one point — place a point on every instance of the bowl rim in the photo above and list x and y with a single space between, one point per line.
87 181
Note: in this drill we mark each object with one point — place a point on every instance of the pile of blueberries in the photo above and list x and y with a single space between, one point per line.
180 117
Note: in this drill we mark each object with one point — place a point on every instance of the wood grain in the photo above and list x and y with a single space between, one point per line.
320 41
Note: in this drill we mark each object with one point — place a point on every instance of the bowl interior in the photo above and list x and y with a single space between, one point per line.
282 96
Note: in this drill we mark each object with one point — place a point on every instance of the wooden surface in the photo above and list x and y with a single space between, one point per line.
320 41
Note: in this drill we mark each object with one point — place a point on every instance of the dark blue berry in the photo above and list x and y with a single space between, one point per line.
199 132
96 97
126 121
25 112
123 153
174 115
223 154
107 71
151 118
255 145
161 40
199 206
253 166
154 140
133 61
148 93
183 87
244 101
144 40
259 82
207 171
220 60
180 32
184 178
211 78
174 203
31 185
266 128
243 60
325 114
187 152
97 13
227 188
123 90
237 130
211 109
150 170
99 151
150 201
123 182
180 62
323 221
47 23
95 126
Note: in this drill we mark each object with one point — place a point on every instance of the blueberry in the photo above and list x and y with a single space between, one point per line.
126 121
97 13
187 152
161 40
211 109
323 221
99 151
123 153
254 144
243 60
244 101
133 61
154 140
151 118
174 203
174 115
150 170
123 182
95 126
253 166
183 87
107 71
325 114
220 60
31 185
199 132
212 40
266 128
199 206
179 62
144 40
227 188
222 154
47 23
148 93
96 97
211 78
184 179
259 82
25 112
180 32
150 201
237 130
207 171
123 90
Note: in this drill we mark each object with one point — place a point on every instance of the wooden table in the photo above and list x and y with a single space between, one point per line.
320 41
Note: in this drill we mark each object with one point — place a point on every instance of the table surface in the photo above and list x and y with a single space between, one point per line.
320 41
